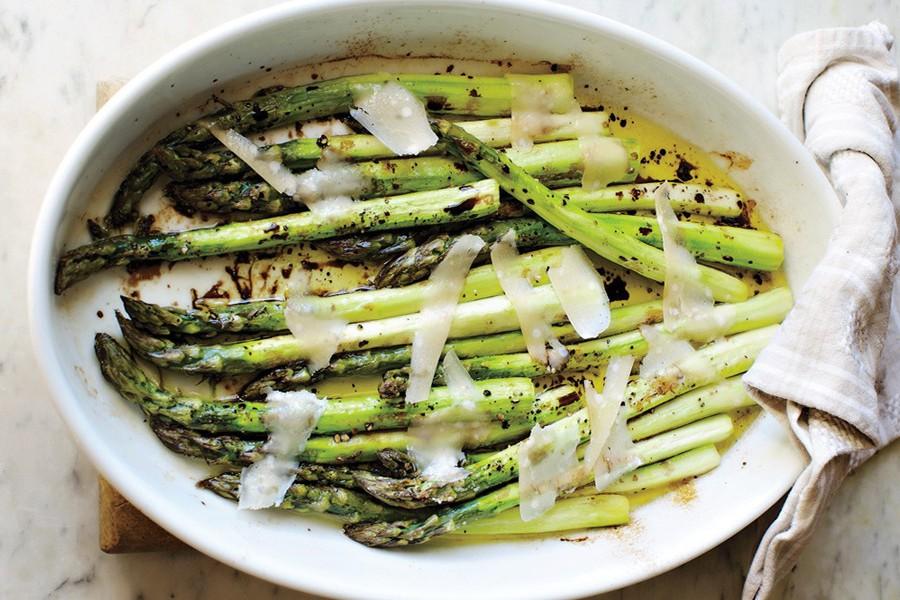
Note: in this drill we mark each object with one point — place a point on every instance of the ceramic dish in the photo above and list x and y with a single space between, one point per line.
628 67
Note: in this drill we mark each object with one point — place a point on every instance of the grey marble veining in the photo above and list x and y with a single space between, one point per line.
50 56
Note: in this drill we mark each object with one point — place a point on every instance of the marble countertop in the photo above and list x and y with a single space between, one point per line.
52 56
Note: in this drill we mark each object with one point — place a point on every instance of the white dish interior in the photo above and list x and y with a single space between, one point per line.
630 68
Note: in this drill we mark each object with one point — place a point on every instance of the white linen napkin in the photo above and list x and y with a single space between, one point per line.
831 373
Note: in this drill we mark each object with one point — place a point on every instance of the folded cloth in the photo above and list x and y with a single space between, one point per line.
830 373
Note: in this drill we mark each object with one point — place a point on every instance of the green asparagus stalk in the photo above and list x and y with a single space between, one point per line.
351 506
480 317
710 400
370 362
427 208
451 94
557 163
709 364
712 243
736 246
417 261
573 221
501 400
762 310
685 198
503 466
568 514
402 533
692 463
267 316
185 163
228 449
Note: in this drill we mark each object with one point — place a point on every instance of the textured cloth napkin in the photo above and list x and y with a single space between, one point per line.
831 373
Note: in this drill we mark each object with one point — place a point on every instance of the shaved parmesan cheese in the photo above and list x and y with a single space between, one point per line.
328 188
445 285
326 127
395 116
542 345
687 301
271 170
618 456
603 408
581 292
331 186
664 350
547 460
459 382
439 439
605 159
291 418
308 321
534 101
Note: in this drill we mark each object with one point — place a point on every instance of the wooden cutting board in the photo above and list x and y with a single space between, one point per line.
123 528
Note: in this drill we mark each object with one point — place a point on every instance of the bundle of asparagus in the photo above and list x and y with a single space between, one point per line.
407 217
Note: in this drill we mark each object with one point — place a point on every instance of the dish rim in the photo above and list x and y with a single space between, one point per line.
43 254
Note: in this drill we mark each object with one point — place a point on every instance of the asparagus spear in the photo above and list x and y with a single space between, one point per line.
599 510
710 400
370 362
762 310
713 243
184 163
685 197
480 317
402 533
267 316
568 514
352 506
501 400
573 221
450 94
550 406
557 163
426 208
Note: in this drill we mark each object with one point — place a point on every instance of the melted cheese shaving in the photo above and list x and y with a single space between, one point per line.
542 345
445 284
604 160
603 408
664 350
272 171
291 418
546 461
687 302
326 189
395 116
439 439
534 101
581 292
307 320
